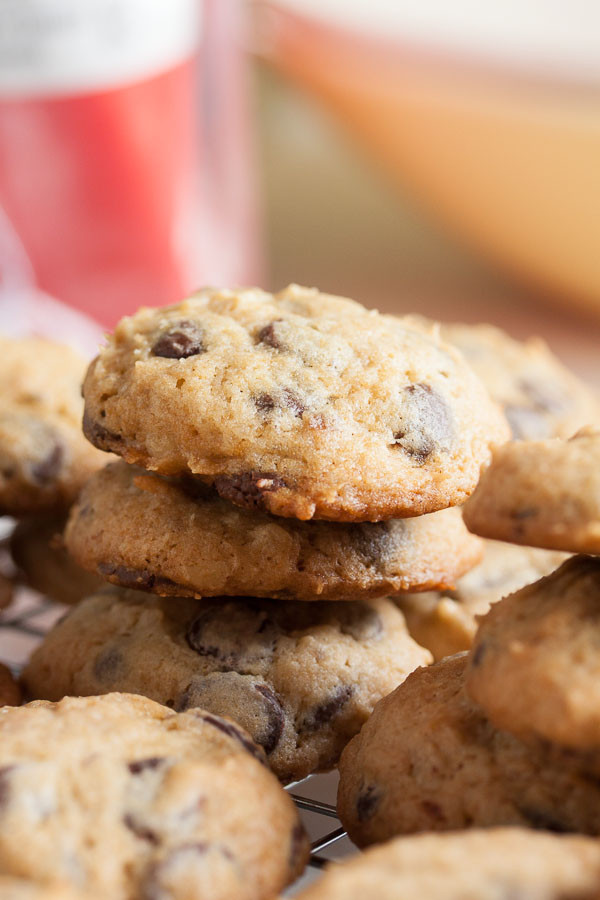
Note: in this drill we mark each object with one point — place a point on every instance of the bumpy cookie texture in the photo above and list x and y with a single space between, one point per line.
301 404
122 796
543 494
44 458
21 889
44 564
301 678
179 538
535 667
497 864
446 621
428 760
540 397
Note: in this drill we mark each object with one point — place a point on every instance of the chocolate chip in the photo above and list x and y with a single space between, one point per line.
248 490
298 848
328 710
185 339
542 820
367 802
268 335
108 665
264 402
478 654
46 470
140 831
293 402
233 634
371 540
138 579
98 435
229 729
433 810
196 489
427 425
141 765
268 737
360 621
5 784
527 512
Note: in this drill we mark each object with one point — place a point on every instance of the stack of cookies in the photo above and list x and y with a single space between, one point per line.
288 463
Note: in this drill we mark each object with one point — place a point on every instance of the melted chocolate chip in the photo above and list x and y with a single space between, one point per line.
248 490
46 470
185 339
367 802
328 710
427 425
139 579
98 435
542 820
478 654
268 335
433 810
196 489
268 737
371 540
250 635
264 403
293 402
140 831
108 665
230 729
142 765
360 621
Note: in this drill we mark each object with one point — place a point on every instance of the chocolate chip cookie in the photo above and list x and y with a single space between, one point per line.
301 404
429 760
44 458
119 795
495 864
43 563
540 397
535 666
542 493
446 621
178 538
300 677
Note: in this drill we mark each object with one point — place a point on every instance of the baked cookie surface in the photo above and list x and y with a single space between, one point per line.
179 538
446 621
301 678
542 493
44 458
124 797
535 667
300 403
22 889
540 397
428 760
497 864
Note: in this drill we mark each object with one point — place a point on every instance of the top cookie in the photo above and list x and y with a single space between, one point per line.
302 404
44 458
543 494
540 397
120 795
492 864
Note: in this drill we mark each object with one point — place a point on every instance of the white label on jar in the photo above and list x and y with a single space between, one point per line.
50 47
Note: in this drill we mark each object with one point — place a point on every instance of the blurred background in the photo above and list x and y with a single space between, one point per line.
430 157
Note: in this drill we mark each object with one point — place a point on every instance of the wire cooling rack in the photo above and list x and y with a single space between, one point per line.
25 622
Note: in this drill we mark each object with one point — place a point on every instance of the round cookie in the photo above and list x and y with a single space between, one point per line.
428 760
179 538
540 397
300 403
496 864
535 667
44 458
542 493
446 621
44 564
302 678
119 795
10 692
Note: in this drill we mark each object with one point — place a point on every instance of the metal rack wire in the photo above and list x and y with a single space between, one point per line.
25 622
